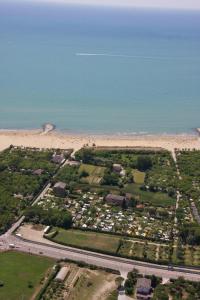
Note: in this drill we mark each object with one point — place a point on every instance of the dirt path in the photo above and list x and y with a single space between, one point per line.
104 290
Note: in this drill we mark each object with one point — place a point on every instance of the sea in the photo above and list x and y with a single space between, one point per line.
99 70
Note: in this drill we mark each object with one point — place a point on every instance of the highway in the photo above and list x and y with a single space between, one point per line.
116 263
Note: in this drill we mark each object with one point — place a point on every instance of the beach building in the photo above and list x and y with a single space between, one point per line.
62 273
60 189
116 199
143 289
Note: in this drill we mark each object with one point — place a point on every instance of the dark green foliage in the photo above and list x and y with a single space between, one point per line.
18 184
68 174
177 288
189 166
85 155
144 163
84 174
155 280
160 293
190 234
52 217
30 285
110 178
131 281
27 160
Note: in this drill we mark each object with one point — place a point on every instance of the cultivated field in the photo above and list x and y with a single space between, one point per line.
95 173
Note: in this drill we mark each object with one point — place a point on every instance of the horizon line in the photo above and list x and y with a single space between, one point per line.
110 3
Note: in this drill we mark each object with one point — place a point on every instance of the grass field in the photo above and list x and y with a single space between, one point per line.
18 271
92 240
138 176
152 198
95 173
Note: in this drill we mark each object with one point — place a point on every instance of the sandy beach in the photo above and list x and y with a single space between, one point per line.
36 138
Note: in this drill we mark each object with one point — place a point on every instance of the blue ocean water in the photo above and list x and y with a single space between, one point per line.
99 70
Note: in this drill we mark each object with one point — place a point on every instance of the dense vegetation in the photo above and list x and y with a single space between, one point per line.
158 165
51 216
131 281
189 166
18 183
189 186
178 289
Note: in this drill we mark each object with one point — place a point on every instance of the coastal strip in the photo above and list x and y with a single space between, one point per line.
54 139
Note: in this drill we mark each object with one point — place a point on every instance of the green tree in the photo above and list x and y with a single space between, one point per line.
144 162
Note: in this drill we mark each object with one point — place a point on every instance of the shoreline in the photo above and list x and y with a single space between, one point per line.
50 127
64 140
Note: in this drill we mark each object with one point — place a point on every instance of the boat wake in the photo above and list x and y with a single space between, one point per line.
116 55
134 56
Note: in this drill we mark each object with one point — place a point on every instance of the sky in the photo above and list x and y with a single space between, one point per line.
168 4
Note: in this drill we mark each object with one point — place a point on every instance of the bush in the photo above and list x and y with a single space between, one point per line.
1 283
144 163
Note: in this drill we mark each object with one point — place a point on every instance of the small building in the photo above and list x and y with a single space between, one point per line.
73 163
38 172
140 206
143 289
60 189
58 159
116 199
117 168
62 274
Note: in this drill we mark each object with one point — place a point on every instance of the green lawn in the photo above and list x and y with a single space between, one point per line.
138 176
95 173
152 198
92 240
17 270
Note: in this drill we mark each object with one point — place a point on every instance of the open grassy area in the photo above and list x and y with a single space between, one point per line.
138 176
92 240
21 274
95 173
151 198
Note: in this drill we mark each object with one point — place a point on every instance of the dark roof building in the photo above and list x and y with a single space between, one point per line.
143 289
58 158
60 189
116 199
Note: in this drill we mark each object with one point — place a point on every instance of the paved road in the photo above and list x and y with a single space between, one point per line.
120 264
